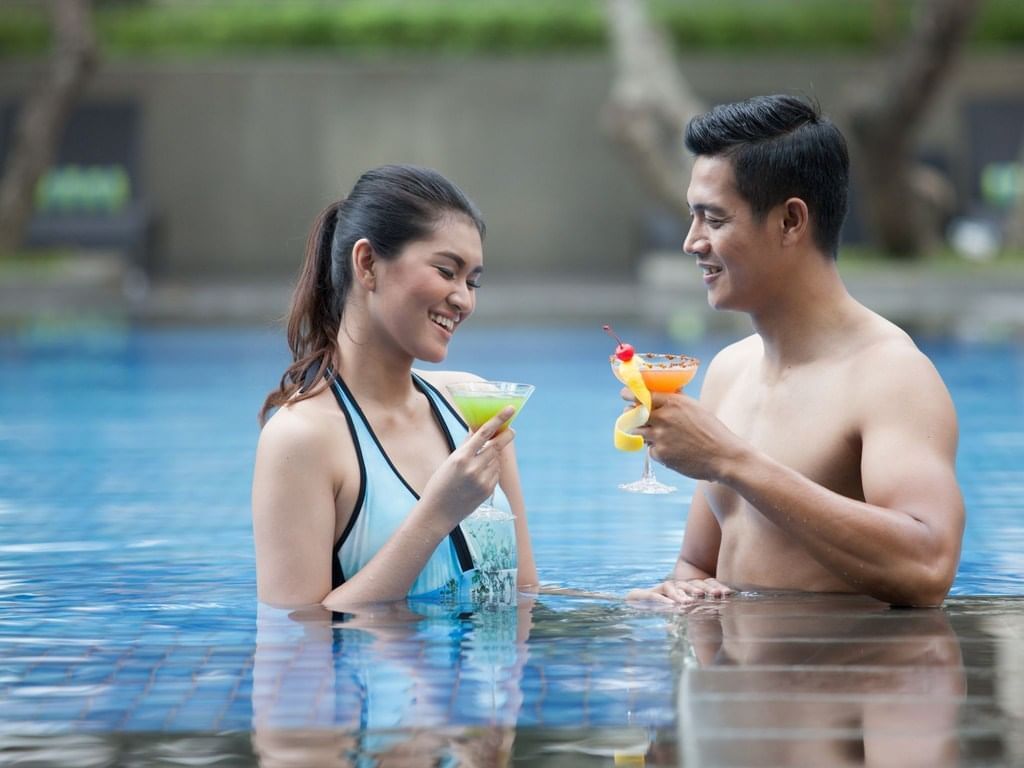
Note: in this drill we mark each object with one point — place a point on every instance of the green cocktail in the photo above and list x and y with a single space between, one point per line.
490 531
477 407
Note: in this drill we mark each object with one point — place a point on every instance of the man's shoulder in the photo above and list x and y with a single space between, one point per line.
738 353
884 344
889 368
727 366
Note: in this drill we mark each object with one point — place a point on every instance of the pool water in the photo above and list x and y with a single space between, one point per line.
129 630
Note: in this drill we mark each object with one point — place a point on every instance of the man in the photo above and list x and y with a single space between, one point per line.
824 443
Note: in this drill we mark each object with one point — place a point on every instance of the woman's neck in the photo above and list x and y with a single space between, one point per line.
374 370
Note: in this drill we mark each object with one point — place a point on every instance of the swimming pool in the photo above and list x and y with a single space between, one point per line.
127 585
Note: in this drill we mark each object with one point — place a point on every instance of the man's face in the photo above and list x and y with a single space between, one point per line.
733 249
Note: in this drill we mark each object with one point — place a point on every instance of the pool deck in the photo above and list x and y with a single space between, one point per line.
975 302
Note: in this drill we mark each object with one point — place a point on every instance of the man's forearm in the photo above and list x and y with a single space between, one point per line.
684 570
885 553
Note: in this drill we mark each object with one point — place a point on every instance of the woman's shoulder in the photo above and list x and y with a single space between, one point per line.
301 427
439 378
307 442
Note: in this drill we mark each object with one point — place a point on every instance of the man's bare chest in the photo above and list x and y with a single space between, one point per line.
802 423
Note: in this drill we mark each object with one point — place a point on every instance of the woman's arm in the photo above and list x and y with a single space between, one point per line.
296 479
527 567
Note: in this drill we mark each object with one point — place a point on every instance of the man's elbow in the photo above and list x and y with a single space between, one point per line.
925 578
926 588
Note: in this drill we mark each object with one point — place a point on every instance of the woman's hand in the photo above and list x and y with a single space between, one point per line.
469 475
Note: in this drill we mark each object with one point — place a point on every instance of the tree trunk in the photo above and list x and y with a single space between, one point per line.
650 102
897 205
43 116
1015 222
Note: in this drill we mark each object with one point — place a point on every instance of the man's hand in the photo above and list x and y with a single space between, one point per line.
675 591
687 438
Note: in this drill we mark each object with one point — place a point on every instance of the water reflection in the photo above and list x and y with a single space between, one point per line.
394 686
798 680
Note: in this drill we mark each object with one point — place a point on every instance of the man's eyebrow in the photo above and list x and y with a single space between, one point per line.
714 210
459 261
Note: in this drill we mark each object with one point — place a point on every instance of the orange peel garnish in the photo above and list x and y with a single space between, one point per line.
628 373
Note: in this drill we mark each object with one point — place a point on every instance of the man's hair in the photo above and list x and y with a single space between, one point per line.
780 147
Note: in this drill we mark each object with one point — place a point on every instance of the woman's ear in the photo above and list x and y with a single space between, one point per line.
795 221
363 262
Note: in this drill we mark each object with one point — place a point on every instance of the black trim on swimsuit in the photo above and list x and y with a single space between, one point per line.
337 574
457 537
454 412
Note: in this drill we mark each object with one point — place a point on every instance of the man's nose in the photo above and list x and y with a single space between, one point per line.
695 243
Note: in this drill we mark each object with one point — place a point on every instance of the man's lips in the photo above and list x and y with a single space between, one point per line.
709 270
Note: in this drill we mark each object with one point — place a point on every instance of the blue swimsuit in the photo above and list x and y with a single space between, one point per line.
385 498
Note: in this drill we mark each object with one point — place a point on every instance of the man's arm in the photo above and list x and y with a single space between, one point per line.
902 543
693 575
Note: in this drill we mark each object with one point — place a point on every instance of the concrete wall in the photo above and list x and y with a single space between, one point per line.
239 155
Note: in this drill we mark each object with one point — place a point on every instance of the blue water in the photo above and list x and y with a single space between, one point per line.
127 571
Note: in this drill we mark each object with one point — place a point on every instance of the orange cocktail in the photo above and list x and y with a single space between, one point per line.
663 373
667 373
660 373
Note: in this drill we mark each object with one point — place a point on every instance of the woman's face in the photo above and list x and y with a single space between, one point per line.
422 296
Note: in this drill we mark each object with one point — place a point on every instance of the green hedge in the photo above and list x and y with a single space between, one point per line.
193 27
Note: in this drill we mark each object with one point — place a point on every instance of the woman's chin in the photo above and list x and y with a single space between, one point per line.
434 355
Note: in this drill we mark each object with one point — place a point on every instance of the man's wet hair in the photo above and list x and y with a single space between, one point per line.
780 147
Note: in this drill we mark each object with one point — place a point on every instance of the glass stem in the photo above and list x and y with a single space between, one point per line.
648 473
487 505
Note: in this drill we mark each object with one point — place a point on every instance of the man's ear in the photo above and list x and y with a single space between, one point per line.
795 221
363 262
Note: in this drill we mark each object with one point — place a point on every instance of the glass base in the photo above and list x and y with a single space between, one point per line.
648 485
491 535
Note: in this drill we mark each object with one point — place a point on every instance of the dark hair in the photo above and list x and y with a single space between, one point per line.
391 206
780 147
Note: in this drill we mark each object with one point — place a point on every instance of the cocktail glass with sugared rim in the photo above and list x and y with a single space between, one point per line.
661 373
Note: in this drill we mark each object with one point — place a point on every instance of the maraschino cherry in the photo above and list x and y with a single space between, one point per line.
624 351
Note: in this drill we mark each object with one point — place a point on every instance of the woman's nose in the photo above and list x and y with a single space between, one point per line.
462 299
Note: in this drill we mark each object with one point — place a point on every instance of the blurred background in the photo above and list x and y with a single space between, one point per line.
163 159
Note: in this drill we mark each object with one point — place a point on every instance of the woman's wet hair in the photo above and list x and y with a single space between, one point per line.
780 147
391 206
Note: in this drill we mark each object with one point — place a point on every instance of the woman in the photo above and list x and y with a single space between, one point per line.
359 487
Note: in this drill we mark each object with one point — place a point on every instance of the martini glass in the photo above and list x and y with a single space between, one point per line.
661 373
491 531
479 401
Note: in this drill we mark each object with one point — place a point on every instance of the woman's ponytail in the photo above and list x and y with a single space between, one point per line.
314 317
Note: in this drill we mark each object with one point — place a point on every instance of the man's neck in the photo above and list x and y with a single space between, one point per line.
804 319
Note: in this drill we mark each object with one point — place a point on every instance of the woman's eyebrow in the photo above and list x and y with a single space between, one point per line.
459 261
